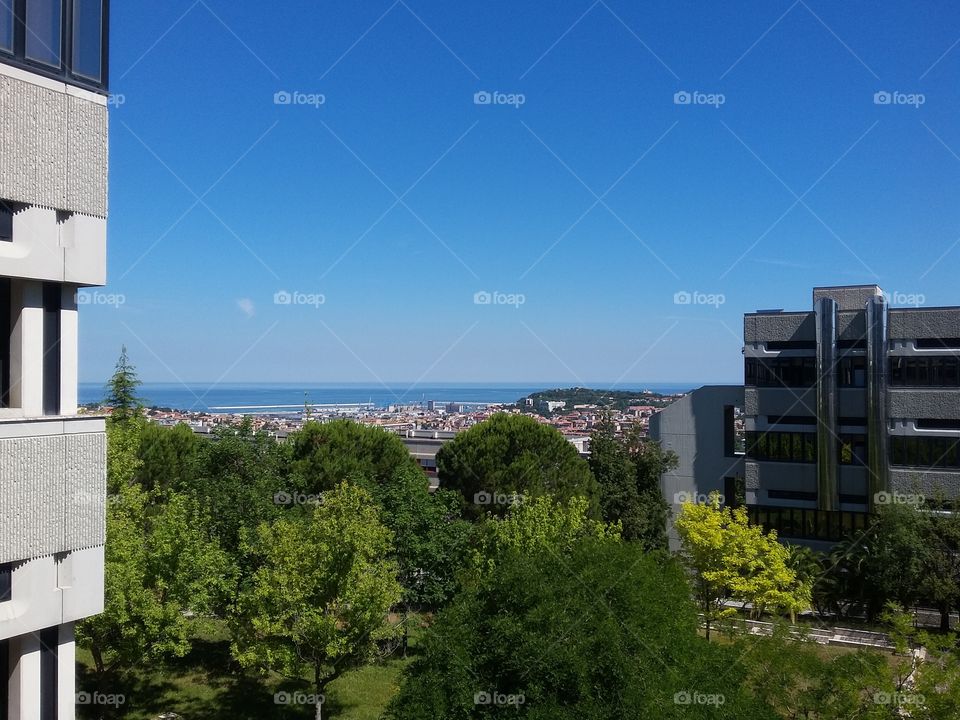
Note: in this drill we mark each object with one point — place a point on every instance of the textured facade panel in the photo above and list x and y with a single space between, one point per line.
53 148
779 327
910 324
52 494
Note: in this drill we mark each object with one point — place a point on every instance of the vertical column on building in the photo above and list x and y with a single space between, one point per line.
828 492
25 677
26 348
877 479
66 673
69 344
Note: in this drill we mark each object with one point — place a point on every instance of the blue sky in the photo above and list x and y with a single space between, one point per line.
594 202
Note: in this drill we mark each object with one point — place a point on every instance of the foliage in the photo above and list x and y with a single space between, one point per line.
323 455
539 528
508 455
168 457
728 557
319 599
604 632
121 390
610 399
628 472
158 564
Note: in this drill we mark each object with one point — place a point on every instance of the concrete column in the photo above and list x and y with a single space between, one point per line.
26 348
69 343
66 673
878 464
25 677
828 485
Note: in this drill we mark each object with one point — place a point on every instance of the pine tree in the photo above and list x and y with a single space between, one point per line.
121 391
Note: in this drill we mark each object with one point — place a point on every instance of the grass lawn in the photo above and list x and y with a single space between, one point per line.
206 684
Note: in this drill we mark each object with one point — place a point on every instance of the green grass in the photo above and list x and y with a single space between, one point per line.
208 684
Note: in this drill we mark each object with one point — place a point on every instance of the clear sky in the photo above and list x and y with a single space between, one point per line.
587 192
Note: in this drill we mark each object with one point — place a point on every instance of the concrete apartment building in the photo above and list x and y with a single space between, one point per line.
53 208
846 406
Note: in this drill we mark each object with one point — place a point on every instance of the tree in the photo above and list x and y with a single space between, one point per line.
726 556
159 564
541 527
628 472
168 457
323 455
430 539
320 598
603 632
891 557
513 455
121 391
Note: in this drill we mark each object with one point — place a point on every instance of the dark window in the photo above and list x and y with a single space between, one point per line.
51 349
802 523
87 38
925 452
782 446
792 345
853 371
6 582
852 449
937 424
853 499
734 491
936 371
935 343
780 372
856 421
729 432
858 344
791 420
44 31
6 25
791 495
49 642
6 313
6 216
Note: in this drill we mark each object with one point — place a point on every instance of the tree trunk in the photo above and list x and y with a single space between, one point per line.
319 684
406 628
945 617
707 617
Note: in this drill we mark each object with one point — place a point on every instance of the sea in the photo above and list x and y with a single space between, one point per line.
268 398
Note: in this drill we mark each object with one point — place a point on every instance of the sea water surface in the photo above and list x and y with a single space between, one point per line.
276 397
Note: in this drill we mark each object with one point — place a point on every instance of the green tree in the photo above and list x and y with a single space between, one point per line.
159 564
430 539
603 632
537 528
509 455
891 558
728 557
628 472
168 457
320 598
323 455
121 391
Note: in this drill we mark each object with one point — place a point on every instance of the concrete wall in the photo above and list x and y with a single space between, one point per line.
693 427
53 144
52 486
911 323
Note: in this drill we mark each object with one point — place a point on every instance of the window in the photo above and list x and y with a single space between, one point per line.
791 495
935 371
6 217
853 371
925 452
781 372
852 449
87 38
936 343
782 446
6 319
792 345
6 26
802 523
734 491
63 39
51 349
44 31
6 582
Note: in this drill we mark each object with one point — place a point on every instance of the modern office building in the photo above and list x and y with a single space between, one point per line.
846 406
53 209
